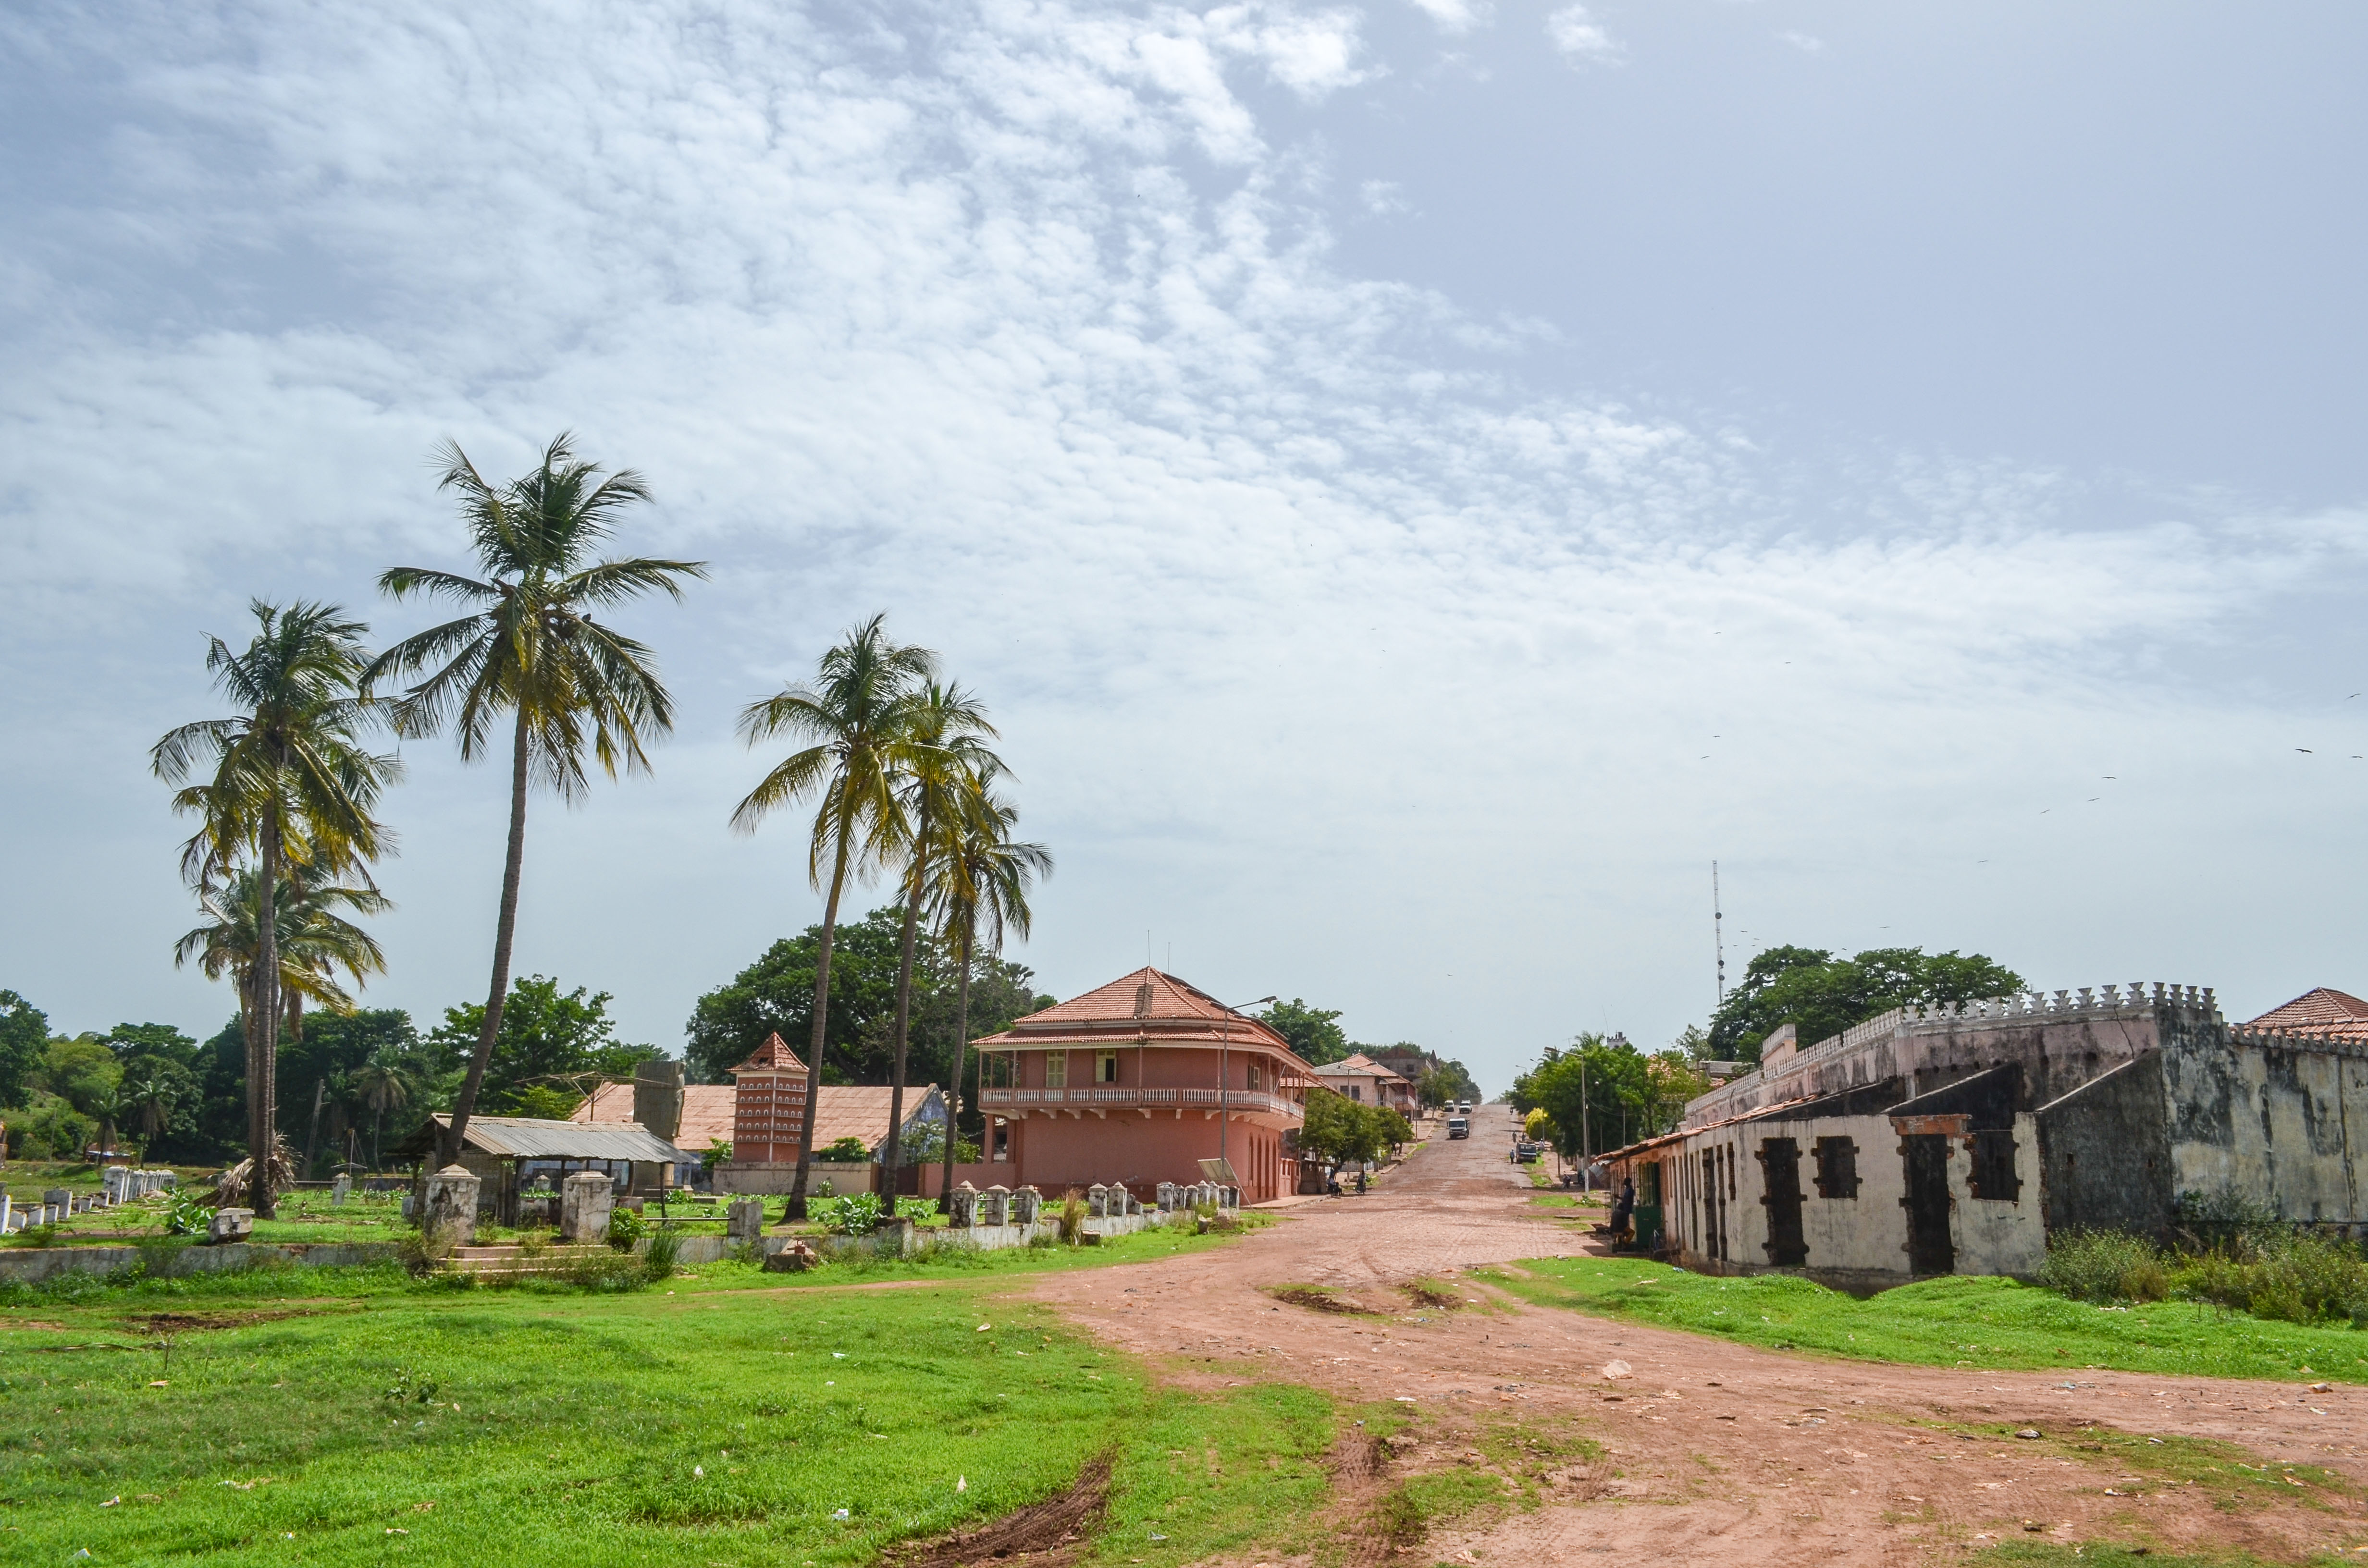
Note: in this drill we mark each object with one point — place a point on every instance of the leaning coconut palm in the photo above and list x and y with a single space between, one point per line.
292 781
529 647
857 712
982 878
940 761
313 940
236 1187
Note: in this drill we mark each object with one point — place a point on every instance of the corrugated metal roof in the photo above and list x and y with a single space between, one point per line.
530 1138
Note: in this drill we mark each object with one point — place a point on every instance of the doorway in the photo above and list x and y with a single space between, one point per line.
1926 1155
1780 1160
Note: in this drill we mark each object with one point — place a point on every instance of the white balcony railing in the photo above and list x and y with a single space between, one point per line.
1107 1094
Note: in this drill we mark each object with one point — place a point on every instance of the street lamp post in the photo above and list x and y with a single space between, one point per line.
1224 1085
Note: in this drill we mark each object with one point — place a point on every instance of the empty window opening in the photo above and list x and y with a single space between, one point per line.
1106 1067
1993 1176
1837 1168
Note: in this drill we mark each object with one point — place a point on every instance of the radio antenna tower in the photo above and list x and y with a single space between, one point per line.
1718 933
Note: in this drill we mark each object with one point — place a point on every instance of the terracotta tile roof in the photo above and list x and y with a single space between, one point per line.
1148 1007
843 1110
773 1056
1357 1062
2325 1011
706 1112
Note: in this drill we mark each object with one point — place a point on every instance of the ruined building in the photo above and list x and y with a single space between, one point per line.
1955 1139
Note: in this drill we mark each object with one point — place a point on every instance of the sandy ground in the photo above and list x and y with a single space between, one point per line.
1713 1452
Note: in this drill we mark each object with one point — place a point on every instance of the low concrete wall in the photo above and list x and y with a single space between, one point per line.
28 1265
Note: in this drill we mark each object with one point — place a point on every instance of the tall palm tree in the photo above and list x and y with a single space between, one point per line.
312 940
981 877
150 1098
529 647
292 781
385 1080
941 760
857 712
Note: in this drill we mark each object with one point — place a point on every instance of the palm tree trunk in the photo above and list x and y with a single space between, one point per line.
263 1037
892 1159
797 1205
505 928
953 1085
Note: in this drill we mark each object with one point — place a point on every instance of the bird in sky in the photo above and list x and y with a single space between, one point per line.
2305 751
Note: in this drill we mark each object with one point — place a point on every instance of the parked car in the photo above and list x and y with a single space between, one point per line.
1457 1127
1529 1153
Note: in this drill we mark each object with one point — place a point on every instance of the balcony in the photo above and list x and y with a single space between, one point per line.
1102 1098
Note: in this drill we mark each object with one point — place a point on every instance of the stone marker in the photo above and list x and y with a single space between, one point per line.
745 1220
586 1202
962 1208
794 1259
341 1188
449 1215
57 1197
229 1225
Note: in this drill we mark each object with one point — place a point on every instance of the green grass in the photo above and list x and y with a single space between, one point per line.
710 1425
1972 1322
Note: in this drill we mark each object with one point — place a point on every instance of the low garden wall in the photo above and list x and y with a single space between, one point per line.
166 1260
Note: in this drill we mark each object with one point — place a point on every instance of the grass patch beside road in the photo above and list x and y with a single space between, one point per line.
496 1425
1971 1322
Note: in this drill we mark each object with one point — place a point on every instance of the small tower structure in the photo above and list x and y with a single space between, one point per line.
769 1111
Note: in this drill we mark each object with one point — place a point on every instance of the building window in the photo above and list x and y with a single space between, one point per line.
1837 1168
1252 1069
1056 1069
1355 1092
1001 1141
1106 1067
1993 1174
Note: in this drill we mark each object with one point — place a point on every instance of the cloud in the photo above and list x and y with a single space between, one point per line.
1455 17
1384 197
1805 42
1324 639
1577 34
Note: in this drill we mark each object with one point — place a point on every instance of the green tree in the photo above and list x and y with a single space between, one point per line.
857 712
1315 1033
1337 1130
291 783
981 889
155 1089
531 647
312 938
1821 995
942 764
161 1041
776 995
387 1080
24 1042
546 1035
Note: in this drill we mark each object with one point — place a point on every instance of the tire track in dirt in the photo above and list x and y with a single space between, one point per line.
1716 1451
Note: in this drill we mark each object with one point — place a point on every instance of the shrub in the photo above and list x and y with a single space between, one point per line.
2302 1278
2104 1266
2227 1220
187 1215
625 1228
1069 1219
664 1249
846 1152
858 1215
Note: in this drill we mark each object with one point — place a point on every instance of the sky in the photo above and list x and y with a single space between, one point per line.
1416 483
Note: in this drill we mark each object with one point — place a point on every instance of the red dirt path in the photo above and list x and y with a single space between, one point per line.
1715 1453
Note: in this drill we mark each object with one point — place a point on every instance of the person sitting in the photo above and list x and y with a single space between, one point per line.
1623 1211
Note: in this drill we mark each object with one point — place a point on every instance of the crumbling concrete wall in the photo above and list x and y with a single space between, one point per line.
2104 1158
2278 1119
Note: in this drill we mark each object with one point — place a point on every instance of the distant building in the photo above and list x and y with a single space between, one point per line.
1957 1140
1137 1083
762 1114
1361 1078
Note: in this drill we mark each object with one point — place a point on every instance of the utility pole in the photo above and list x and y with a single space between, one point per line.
1718 933
1586 1131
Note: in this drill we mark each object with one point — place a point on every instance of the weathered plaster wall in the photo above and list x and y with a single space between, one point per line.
2285 1122
2104 1156
1867 1235
1996 1235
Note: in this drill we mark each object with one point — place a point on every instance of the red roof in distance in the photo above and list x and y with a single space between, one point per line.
2325 1011
1147 1007
773 1056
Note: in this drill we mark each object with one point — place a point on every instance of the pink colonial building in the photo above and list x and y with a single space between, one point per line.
1137 1083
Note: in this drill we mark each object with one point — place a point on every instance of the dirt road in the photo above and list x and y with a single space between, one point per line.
1742 1455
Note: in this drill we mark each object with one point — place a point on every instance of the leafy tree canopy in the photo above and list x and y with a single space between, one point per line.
1821 995
1603 1093
1313 1032
24 1042
161 1041
82 1071
545 1033
776 994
